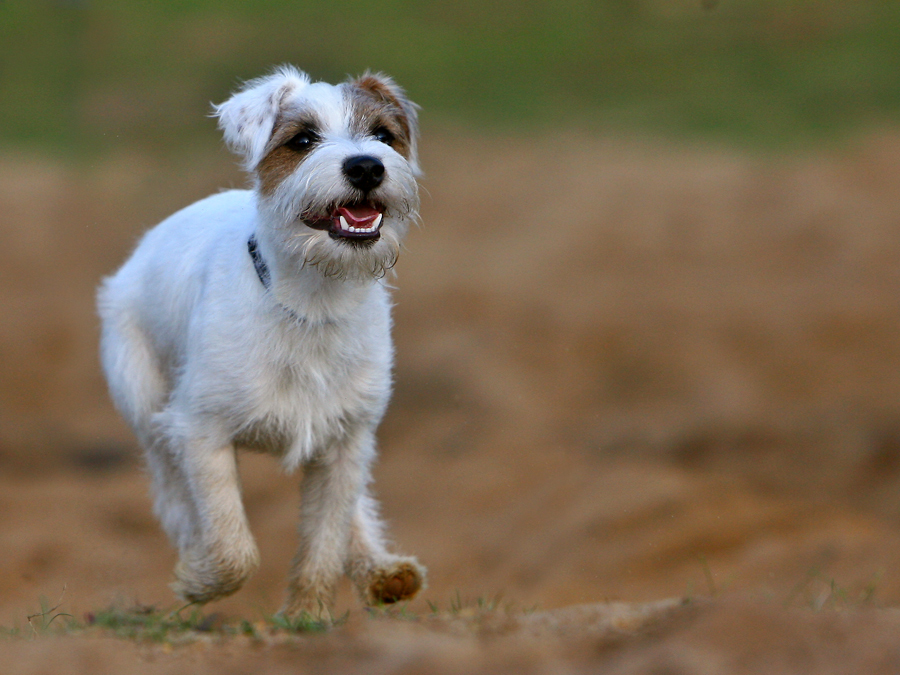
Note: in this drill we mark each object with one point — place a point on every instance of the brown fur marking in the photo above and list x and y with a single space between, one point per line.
375 104
281 161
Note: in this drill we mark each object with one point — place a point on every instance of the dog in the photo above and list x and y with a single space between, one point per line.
260 319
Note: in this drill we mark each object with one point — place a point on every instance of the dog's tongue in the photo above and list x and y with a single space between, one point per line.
358 216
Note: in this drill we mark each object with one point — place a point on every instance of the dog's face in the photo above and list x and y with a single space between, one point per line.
335 166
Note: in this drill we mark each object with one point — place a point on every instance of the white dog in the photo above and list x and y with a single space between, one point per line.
259 319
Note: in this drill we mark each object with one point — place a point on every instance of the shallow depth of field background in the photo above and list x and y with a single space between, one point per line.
648 336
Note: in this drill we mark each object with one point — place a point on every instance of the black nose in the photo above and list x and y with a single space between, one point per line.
364 172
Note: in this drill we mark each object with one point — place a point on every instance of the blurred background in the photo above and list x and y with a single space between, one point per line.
647 336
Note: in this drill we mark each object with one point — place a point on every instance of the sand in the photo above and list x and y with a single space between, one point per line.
648 395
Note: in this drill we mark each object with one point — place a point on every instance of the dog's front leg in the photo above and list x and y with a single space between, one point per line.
330 489
380 577
224 554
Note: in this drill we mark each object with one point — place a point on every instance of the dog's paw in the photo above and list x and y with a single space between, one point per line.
202 583
392 583
307 605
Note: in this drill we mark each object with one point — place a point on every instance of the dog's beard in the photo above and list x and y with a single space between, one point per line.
344 258
311 196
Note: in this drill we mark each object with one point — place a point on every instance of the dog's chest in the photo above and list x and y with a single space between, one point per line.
314 388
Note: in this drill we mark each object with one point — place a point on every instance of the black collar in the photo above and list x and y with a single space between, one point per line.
262 270
265 278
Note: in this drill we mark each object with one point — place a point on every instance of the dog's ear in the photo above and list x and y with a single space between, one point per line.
248 118
387 91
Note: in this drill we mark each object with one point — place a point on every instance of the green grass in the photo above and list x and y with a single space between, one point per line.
151 624
100 74
187 623
154 625
819 592
148 623
48 618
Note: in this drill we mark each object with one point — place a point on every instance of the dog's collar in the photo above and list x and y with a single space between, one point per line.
262 270
265 277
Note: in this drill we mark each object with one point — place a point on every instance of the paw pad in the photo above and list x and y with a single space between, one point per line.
400 583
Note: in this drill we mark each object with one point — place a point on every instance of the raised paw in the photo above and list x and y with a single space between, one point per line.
203 581
396 582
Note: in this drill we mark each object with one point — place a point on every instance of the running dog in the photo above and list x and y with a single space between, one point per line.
260 319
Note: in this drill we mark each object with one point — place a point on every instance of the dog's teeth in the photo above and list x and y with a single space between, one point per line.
369 229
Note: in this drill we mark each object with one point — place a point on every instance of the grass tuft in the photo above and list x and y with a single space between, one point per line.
41 621
304 623
458 605
147 623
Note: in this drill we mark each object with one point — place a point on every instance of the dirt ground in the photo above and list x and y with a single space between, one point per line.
626 372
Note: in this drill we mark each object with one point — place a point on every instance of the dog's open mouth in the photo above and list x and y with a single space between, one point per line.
352 221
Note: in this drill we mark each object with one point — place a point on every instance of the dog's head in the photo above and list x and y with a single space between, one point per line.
335 167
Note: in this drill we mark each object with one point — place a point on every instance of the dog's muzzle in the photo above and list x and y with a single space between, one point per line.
360 221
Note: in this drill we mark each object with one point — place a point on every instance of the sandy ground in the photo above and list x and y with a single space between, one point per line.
627 373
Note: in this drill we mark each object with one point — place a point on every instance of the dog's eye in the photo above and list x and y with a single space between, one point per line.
383 135
302 141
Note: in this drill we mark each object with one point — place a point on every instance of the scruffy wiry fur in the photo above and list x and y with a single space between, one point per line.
204 356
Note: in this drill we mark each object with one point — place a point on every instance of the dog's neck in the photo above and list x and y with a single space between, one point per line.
302 288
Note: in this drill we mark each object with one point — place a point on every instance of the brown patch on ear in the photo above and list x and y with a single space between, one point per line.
387 98
378 87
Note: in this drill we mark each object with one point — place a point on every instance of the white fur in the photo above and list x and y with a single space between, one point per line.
201 358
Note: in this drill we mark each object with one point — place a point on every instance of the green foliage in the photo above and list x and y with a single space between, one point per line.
458 604
304 623
101 73
151 624
41 622
819 592
148 623
183 625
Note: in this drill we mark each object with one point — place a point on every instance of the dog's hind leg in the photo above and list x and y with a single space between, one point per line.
139 388
137 380
171 498
380 577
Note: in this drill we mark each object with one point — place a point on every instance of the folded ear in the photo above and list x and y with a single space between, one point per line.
389 92
248 118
